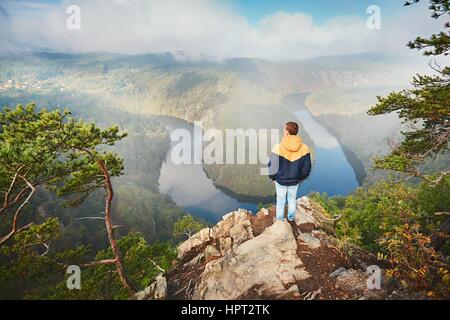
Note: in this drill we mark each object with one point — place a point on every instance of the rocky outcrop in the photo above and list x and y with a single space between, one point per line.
268 264
234 229
248 256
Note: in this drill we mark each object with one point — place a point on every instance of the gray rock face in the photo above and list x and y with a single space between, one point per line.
304 219
156 291
225 245
211 252
195 241
311 241
311 215
234 229
268 263
338 272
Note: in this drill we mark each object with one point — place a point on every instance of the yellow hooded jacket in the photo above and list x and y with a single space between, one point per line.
290 161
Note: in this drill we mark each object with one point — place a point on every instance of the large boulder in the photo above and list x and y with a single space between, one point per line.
268 263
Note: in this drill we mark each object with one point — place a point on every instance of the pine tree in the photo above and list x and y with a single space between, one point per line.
425 108
50 149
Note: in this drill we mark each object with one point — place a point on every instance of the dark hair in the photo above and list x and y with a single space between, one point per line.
292 128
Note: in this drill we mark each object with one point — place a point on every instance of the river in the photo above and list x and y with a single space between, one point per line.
191 189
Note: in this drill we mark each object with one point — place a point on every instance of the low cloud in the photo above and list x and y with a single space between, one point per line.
200 26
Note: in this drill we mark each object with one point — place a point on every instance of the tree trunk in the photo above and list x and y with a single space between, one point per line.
14 229
110 230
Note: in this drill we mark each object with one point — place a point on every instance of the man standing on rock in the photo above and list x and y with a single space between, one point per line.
290 163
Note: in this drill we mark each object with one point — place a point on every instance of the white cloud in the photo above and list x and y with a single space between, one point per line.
202 26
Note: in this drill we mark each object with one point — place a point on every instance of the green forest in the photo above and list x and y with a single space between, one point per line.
405 219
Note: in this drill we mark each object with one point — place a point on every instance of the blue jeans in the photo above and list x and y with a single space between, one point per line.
291 193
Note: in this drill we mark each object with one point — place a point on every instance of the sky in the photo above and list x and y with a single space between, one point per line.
266 29
321 10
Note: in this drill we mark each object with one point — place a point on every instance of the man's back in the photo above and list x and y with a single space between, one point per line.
290 161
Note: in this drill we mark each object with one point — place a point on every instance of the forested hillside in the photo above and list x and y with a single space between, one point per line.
234 93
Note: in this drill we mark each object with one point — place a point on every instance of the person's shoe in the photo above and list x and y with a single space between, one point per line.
291 220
